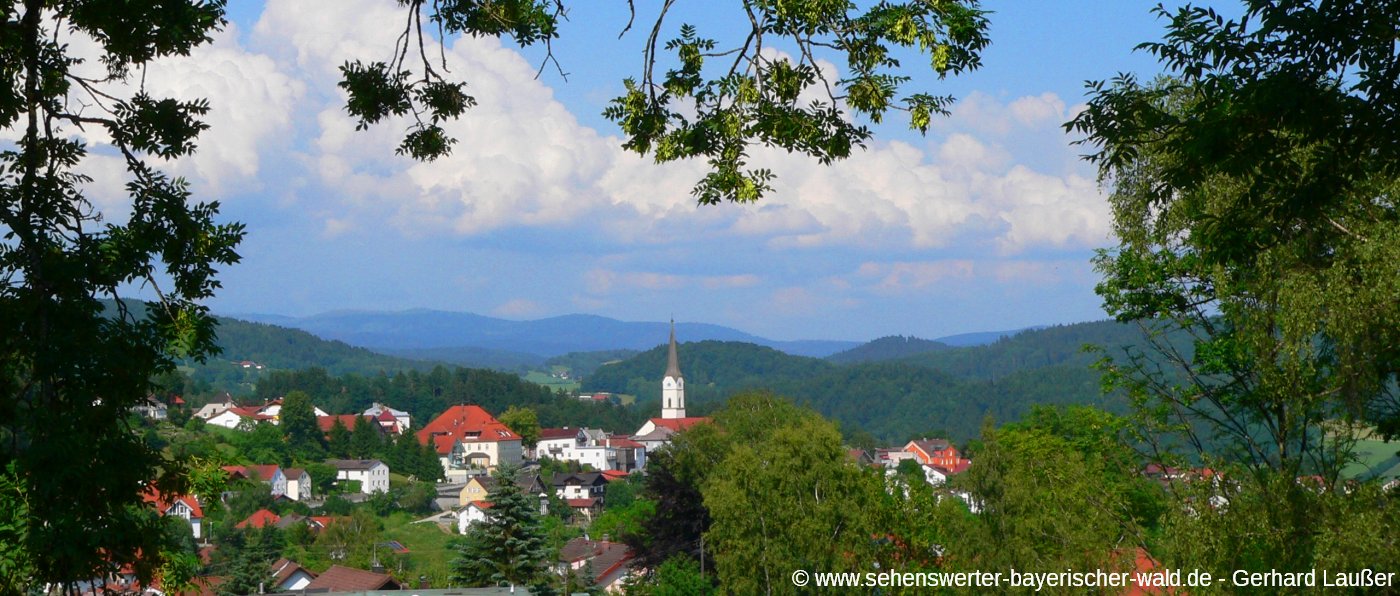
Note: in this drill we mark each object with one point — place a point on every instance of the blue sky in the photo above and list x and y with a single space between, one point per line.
988 222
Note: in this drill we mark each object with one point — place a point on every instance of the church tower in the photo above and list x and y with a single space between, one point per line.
672 385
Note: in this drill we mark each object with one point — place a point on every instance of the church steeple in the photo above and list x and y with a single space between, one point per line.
673 384
673 366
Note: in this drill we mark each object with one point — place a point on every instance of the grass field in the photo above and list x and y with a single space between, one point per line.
430 553
1375 458
543 378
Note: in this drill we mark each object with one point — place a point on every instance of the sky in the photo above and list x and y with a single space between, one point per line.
988 222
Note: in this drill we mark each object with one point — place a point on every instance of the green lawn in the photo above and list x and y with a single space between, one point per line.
543 378
1375 459
429 551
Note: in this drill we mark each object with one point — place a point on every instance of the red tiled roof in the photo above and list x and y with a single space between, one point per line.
679 424
464 423
345 579
623 442
348 420
265 472
612 475
259 519
557 433
283 569
582 503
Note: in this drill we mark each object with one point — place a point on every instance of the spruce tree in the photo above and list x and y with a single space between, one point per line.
509 546
364 439
339 442
298 423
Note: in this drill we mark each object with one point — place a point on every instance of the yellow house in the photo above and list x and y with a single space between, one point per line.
475 491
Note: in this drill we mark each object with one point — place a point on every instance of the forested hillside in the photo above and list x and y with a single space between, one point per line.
892 347
947 391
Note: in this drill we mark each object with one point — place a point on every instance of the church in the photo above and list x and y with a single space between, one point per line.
657 431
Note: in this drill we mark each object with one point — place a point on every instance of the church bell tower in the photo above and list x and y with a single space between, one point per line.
673 384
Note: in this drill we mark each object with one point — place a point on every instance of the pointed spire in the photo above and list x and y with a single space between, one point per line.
673 367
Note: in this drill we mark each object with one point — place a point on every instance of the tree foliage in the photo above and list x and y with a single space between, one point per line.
709 101
1253 194
299 427
68 367
524 422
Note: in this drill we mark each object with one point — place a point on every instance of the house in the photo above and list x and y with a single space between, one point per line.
372 474
151 408
345 579
656 432
474 512
938 452
478 489
213 409
890 458
184 507
269 474
581 485
237 416
298 484
607 562
273 409
288 576
587 508
400 417
589 447
470 441
860 457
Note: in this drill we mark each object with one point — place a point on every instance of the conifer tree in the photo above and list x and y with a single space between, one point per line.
339 442
509 546
364 439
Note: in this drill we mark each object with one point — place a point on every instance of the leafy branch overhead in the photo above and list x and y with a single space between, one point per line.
769 88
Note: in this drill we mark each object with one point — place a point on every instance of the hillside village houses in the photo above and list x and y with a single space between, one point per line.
471 443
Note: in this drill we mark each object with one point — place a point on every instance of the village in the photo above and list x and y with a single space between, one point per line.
471 445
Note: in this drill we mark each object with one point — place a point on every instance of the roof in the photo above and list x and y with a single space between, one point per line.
250 412
347 420
679 424
283 569
611 475
673 366
354 464
547 434
623 442
929 446
259 519
379 409
585 503
294 472
464 423
265 472
604 558
583 478
345 579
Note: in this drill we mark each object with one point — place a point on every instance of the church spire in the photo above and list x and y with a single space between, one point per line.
672 385
673 366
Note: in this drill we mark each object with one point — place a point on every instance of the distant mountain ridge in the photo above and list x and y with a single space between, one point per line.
419 330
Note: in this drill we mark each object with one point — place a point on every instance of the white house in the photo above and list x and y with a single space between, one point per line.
372 474
400 417
474 512
183 507
236 416
269 474
213 409
298 484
